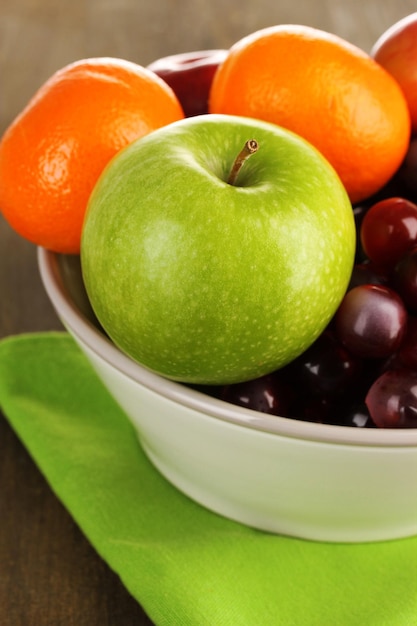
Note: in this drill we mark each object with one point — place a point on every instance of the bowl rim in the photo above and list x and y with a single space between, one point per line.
89 335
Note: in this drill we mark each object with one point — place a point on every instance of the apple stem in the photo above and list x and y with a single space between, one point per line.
250 147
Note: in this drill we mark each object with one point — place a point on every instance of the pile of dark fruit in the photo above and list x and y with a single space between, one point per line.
362 371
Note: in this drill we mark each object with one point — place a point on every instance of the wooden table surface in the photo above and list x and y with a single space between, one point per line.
49 574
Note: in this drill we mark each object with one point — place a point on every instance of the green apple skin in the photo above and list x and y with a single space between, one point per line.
206 282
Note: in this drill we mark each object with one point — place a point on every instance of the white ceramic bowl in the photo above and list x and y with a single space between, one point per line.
315 481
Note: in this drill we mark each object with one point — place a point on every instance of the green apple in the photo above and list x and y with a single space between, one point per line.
207 273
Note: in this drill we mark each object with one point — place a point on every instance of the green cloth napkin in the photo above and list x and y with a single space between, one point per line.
185 565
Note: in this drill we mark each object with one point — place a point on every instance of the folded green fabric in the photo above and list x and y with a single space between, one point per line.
184 564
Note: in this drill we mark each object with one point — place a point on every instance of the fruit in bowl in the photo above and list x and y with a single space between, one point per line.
173 256
190 75
371 340
315 481
53 152
299 471
223 266
325 89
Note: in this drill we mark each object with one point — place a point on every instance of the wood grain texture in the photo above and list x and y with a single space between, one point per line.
49 574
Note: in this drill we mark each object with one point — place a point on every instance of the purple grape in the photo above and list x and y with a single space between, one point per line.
392 399
366 274
371 321
356 415
404 280
407 353
267 394
407 173
318 409
389 230
326 369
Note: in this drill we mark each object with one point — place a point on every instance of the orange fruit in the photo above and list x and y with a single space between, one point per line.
326 90
54 151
